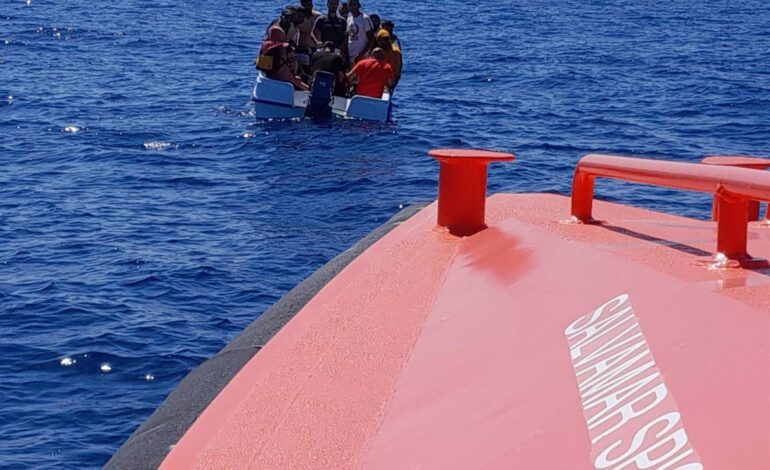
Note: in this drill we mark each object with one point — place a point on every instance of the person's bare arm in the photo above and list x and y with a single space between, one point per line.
391 82
344 47
370 41
316 33
299 84
351 81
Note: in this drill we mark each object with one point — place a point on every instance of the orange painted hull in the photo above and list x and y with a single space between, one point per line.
531 344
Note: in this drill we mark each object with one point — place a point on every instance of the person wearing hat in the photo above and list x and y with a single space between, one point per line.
392 54
372 76
280 67
331 27
389 26
290 19
327 60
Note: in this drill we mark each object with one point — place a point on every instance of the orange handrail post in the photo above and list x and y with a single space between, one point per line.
734 188
462 192
732 226
755 163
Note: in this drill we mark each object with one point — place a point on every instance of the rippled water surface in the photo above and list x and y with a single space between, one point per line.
146 216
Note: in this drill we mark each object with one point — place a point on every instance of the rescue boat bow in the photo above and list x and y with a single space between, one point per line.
523 331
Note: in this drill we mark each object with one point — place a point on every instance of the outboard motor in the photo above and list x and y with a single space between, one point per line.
321 95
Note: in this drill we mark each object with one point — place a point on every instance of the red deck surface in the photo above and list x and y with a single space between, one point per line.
493 351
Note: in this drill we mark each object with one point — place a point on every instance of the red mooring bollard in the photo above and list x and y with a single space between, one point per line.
462 190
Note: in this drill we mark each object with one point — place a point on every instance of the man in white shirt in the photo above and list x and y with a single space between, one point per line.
360 32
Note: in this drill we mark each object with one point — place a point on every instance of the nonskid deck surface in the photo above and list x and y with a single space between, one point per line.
532 344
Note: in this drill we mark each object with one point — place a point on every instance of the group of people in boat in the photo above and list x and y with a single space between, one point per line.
360 50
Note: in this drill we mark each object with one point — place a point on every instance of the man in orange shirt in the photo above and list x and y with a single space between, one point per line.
392 54
372 76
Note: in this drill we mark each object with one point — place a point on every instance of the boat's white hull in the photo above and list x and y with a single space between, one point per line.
278 100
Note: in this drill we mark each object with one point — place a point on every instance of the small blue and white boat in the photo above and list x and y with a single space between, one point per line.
275 99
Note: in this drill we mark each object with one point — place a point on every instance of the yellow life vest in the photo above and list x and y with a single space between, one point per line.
264 63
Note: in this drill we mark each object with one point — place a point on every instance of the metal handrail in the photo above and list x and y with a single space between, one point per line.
734 187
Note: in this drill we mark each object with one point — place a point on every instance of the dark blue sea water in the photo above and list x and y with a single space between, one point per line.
146 217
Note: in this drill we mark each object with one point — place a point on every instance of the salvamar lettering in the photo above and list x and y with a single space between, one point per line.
630 414
616 342
613 399
600 368
616 376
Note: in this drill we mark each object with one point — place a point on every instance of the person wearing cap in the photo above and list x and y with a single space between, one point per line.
360 33
372 76
392 54
289 21
389 25
327 60
331 27
276 48
306 40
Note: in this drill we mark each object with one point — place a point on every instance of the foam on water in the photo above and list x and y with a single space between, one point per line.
67 362
159 146
167 218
